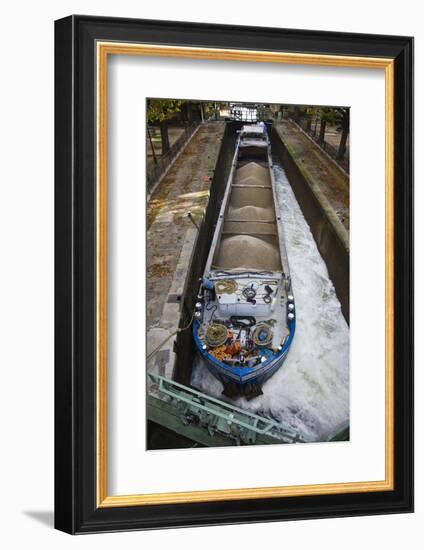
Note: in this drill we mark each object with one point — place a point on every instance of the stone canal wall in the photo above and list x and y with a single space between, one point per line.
322 197
184 344
171 238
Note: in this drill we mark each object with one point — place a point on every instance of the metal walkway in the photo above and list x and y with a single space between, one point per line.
210 421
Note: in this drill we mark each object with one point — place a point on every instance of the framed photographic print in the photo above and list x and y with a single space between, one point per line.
233 272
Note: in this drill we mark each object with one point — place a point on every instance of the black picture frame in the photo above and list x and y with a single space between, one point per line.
76 509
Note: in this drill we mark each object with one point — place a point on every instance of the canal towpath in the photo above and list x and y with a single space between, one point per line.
171 236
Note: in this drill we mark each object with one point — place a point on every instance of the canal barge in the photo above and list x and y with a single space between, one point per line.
245 316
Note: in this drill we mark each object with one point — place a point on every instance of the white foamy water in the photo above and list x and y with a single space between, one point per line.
310 392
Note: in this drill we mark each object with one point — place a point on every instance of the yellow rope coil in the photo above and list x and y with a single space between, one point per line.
227 286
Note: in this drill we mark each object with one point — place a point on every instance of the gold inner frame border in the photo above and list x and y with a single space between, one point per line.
103 50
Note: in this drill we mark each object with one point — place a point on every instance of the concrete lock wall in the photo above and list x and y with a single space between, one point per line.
184 347
330 235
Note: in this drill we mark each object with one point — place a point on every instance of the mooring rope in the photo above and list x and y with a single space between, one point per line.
182 329
226 286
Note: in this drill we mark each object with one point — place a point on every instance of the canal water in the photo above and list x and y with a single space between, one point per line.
310 392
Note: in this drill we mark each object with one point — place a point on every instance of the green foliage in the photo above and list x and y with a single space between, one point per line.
328 114
332 115
211 107
159 110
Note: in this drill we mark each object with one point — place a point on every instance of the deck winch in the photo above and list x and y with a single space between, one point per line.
262 335
239 341
216 335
